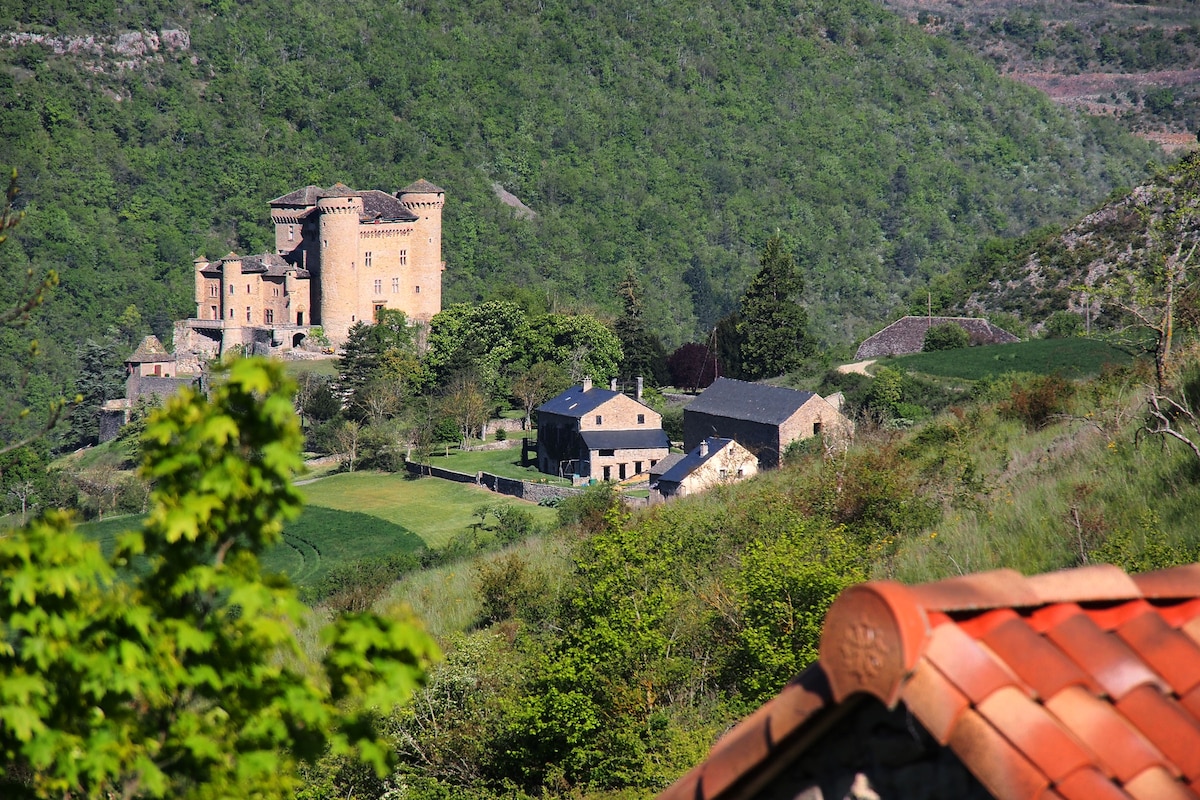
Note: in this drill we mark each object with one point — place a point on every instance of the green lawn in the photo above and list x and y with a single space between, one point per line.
1071 358
318 366
506 463
352 516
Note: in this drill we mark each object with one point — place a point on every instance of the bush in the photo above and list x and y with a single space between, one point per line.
508 588
1063 325
501 434
948 336
1037 401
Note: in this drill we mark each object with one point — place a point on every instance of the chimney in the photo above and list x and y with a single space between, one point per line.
587 384
639 388
612 385
704 449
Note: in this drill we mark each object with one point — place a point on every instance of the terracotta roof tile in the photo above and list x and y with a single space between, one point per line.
1080 684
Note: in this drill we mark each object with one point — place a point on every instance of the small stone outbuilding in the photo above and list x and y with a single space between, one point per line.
907 335
763 419
715 461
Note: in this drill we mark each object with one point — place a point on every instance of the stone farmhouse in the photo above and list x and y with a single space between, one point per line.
907 335
340 256
1073 685
715 461
600 434
763 419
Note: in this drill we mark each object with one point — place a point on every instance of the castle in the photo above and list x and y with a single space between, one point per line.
340 256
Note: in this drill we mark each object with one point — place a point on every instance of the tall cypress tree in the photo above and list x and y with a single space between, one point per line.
774 324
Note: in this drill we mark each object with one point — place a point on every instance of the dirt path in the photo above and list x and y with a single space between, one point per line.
858 367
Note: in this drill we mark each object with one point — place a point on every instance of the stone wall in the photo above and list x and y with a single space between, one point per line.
524 490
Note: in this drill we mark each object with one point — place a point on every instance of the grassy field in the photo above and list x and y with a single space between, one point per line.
506 463
1071 358
353 516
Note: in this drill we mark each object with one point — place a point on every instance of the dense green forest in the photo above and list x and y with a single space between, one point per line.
668 140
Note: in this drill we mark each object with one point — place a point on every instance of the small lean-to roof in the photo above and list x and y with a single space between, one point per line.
1070 685
755 402
575 402
422 186
693 460
665 463
640 439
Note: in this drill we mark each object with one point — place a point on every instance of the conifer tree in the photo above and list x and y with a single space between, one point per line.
774 324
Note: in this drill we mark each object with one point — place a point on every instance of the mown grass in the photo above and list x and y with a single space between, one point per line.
362 515
433 509
316 366
1071 358
505 462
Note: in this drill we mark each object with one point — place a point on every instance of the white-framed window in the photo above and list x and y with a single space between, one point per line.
395 285
291 232
378 286
404 258
367 259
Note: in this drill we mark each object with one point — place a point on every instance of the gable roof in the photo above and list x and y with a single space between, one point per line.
907 335
638 439
755 402
1076 684
575 402
664 464
693 460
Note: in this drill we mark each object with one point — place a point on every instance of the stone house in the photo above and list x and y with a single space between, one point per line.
763 419
1073 685
598 434
151 374
907 335
713 462
340 256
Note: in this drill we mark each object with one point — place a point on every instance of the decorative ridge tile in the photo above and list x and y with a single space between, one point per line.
1098 582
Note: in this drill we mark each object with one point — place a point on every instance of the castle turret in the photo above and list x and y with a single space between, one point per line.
231 274
337 270
202 298
425 201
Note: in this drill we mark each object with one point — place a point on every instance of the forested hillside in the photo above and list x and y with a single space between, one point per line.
669 139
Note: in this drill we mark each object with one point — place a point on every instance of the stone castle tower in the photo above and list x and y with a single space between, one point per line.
340 257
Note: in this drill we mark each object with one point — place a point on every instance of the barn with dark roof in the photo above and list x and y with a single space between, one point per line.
763 419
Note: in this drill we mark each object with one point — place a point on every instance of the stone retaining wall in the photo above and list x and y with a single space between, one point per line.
525 490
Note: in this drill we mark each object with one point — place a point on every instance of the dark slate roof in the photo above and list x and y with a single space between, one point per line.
379 205
754 402
665 463
422 186
574 402
907 335
647 439
693 460
376 204
150 351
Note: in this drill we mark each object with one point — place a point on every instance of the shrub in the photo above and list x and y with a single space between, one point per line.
948 336
1037 401
1063 325
507 588
501 434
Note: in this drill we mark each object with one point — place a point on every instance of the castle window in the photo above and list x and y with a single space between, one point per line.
395 285
291 232
231 290
417 290
231 313
404 258
247 313
367 259
378 286
275 291
269 316
247 288
213 290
